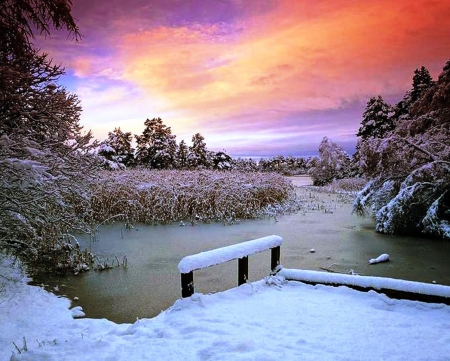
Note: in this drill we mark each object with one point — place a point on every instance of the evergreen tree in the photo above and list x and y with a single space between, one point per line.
422 81
182 155
156 146
377 119
117 147
198 154
221 161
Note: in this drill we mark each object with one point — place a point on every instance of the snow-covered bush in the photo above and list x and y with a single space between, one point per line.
410 166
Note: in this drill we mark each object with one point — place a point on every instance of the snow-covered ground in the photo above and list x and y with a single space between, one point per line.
271 320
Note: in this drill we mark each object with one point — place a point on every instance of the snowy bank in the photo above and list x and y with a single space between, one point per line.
270 319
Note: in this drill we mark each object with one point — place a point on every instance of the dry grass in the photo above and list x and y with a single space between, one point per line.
161 197
347 185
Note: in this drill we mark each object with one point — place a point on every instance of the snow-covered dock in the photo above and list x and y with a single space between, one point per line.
239 251
393 288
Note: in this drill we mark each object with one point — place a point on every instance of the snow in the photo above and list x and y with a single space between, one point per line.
225 254
366 282
381 258
271 319
106 148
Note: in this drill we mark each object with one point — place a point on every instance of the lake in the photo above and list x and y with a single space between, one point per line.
151 281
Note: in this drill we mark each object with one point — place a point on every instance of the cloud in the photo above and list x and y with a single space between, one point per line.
242 70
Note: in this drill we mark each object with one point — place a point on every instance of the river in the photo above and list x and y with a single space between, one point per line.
151 281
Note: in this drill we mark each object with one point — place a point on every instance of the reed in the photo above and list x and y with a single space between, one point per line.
166 196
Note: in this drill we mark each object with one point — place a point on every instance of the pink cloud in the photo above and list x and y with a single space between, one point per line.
266 69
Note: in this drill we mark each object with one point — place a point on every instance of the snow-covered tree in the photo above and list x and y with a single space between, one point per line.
377 119
156 146
221 161
117 149
245 165
44 153
182 155
333 163
198 153
422 81
410 168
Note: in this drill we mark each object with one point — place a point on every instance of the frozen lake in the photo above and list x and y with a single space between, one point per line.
151 282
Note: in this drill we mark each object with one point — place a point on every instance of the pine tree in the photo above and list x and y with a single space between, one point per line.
198 154
422 81
221 161
409 169
120 150
377 119
156 146
182 155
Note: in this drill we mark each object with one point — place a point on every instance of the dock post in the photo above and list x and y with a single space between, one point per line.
275 258
187 284
242 270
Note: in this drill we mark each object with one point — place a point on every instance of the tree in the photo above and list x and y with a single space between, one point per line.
31 104
221 161
422 81
44 153
245 165
409 169
117 148
156 146
198 153
333 163
182 155
19 19
377 119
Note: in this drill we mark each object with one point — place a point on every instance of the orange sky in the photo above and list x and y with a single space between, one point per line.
254 77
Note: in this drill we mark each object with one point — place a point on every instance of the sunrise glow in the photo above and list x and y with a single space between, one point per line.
255 78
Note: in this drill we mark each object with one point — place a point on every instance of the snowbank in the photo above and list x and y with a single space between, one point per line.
271 319
225 254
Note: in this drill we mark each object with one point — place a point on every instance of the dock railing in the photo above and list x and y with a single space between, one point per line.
239 251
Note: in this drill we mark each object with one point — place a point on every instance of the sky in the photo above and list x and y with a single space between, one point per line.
254 77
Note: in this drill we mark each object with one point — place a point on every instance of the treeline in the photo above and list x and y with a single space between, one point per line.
156 148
